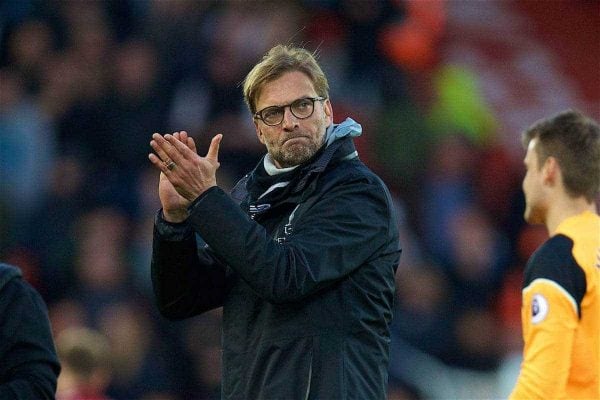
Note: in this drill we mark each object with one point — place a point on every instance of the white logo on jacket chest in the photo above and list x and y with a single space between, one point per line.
257 209
287 228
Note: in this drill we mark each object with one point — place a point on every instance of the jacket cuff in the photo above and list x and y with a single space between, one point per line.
171 231
199 198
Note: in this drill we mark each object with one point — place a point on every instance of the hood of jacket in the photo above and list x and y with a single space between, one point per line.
7 273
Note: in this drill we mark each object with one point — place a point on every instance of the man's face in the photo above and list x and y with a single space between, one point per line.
533 188
294 140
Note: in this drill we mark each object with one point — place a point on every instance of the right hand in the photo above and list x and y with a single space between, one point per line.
174 205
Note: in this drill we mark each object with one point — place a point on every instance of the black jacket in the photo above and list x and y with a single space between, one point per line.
28 364
305 278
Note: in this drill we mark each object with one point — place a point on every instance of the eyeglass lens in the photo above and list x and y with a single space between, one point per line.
301 108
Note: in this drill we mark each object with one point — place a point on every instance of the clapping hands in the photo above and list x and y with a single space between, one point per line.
185 175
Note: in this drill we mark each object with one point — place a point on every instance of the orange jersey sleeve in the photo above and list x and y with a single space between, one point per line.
549 322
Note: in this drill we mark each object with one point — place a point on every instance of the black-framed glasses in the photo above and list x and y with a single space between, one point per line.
301 109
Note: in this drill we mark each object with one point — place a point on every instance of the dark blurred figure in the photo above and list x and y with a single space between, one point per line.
446 189
479 255
135 106
423 310
51 235
179 29
27 147
28 45
203 342
101 271
28 364
83 124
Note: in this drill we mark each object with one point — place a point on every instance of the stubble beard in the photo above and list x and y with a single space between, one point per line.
296 154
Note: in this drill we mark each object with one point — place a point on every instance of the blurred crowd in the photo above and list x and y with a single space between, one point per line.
84 84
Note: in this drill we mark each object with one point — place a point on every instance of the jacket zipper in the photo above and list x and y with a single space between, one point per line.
309 378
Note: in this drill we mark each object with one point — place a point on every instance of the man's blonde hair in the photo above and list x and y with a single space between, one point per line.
279 60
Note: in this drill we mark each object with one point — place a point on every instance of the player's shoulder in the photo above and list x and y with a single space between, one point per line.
553 264
555 248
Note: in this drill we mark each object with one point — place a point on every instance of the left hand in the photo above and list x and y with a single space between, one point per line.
192 174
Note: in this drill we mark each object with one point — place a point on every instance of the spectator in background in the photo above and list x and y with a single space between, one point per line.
203 343
447 189
101 269
561 288
66 314
27 146
140 363
28 48
423 310
306 280
28 364
51 234
85 358
135 106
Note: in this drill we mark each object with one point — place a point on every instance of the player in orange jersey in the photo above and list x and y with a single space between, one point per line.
561 288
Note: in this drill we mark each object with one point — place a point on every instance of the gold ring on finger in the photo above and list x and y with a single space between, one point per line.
170 164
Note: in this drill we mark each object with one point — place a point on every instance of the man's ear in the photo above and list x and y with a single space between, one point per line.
328 112
259 133
551 171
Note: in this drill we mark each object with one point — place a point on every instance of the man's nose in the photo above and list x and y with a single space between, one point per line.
289 119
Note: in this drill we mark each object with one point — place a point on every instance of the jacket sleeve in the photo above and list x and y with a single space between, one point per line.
28 363
186 277
349 225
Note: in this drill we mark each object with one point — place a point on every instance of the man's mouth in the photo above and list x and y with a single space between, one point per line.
295 139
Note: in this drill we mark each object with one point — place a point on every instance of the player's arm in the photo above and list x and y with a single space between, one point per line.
554 286
550 320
